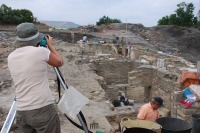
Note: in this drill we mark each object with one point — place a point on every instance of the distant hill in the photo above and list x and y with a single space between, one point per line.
60 24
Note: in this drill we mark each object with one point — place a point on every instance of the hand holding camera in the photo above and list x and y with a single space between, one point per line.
49 40
46 41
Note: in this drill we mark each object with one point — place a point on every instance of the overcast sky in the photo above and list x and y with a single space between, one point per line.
84 12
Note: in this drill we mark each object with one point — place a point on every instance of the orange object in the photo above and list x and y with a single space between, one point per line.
190 78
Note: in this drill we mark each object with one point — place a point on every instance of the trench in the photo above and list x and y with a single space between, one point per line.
115 82
131 79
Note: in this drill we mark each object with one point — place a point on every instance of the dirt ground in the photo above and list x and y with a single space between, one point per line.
41 27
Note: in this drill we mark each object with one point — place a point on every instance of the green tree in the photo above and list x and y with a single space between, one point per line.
198 25
16 16
6 14
173 19
116 21
27 16
107 20
183 17
164 21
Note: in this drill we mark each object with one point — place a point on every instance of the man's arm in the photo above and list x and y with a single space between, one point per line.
142 113
54 58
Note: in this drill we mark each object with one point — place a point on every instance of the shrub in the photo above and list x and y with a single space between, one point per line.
107 20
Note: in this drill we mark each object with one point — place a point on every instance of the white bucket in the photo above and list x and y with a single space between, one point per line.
50 29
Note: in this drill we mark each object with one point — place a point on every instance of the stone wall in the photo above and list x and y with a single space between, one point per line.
114 71
163 84
140 81
97 48
179 110
147 82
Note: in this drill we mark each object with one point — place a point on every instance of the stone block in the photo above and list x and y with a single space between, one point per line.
132 73
131 84
112 96
120 93
173 115
174 111
119 117
188 111
136 90
129 114
115 126
131 78
119 89
180 113
177 96
178 106
179 117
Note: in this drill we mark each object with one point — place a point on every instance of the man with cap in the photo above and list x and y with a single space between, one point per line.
27 64
149 111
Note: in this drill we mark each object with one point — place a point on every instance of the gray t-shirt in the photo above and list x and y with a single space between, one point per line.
28 69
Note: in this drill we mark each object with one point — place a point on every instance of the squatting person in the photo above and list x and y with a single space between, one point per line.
149 111
27 64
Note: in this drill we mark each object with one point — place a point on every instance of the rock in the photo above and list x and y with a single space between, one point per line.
52 84
112 107
5 66
115 126
145 62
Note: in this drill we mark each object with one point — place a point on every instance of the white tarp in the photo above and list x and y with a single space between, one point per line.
195 89
71 102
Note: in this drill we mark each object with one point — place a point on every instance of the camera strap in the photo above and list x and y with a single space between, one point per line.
81 114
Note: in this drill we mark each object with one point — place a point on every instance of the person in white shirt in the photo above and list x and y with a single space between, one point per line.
84 38
27 64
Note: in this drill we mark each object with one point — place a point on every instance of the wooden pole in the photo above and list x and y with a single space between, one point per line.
126 30
198 66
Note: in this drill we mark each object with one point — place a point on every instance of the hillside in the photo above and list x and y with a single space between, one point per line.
60 24
169 39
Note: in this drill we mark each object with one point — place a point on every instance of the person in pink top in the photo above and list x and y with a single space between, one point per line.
149 111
